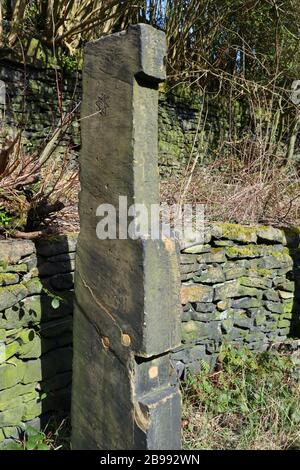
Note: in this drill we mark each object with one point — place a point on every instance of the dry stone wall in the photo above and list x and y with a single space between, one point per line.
240 287
36 305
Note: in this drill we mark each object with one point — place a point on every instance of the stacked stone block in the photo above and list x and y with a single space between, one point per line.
36 304
238 287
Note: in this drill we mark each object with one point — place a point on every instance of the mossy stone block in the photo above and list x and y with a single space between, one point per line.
7 279
11 373
15 392
12 416
234 232
32 371
189 331
32 409
211 275
196 293
10 295
226 290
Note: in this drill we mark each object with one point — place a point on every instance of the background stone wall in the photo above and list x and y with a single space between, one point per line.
36 305
29 100
240 287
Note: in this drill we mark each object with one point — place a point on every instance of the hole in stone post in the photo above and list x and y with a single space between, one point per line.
105 342
126 340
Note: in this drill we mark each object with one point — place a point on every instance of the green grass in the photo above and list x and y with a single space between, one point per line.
249 402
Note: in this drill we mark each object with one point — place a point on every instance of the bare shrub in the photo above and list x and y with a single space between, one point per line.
38 191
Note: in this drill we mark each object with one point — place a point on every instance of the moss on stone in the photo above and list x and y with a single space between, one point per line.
11 373
235 232
189 331
12 416
34 286
249 251
287 309
7 279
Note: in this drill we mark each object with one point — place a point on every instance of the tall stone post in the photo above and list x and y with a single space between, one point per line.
127 306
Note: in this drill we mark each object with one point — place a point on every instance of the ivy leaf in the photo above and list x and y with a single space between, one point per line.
55 303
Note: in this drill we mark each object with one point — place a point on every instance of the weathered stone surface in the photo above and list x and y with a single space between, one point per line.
11 373
271 295
204 307
226 289
127 306
18 268
285 295
246 302
284 284
61 244
6 279
196 249
32 409
247 251
211 275
270 234
224 304
189 268
189 331
275 307
11 417
234 270
12 393
234 232
11 251
217 255
9 296
62 281
276 260
49 268
196 293
34 286
256 282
